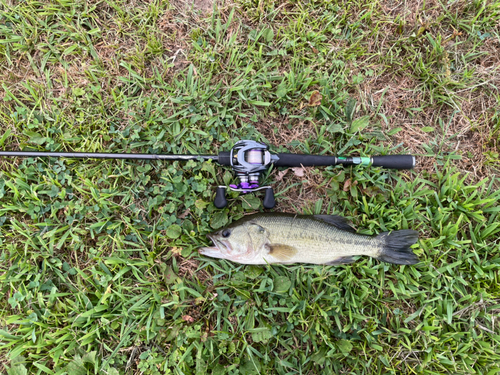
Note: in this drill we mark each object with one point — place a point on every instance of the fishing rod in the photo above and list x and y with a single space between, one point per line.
248 160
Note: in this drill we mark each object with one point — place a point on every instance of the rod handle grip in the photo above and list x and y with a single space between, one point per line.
297 160
224 158
394 161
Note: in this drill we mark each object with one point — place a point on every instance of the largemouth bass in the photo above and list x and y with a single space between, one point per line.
317 239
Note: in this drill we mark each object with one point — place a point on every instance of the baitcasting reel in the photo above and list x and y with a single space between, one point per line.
248 159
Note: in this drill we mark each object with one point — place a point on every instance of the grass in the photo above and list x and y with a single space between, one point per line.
98 265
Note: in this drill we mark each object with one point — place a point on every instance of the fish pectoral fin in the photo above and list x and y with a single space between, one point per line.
341 260
337 221
281 252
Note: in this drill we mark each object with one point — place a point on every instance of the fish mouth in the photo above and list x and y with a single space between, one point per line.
219 250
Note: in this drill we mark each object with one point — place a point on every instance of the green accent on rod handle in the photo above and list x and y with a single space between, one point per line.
356 160
366 161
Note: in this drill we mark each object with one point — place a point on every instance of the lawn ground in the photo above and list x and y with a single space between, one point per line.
99 272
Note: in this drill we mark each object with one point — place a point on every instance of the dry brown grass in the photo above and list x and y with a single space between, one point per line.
463 124
282 131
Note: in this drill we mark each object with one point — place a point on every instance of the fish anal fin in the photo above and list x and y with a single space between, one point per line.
341 260
282 252
337 221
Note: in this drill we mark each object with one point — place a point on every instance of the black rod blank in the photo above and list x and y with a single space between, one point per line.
96 155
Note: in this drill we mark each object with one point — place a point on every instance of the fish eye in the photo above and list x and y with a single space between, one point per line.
226 233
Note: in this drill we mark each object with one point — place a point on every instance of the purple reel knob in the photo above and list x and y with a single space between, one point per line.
246 185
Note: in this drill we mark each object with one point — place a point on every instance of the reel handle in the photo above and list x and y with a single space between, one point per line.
220 200
269 201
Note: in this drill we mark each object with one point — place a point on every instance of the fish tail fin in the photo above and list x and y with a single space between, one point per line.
396 246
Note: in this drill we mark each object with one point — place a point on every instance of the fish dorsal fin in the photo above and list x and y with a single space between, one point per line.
337 221
281 252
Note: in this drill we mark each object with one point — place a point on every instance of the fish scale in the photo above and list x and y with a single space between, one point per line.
318 239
